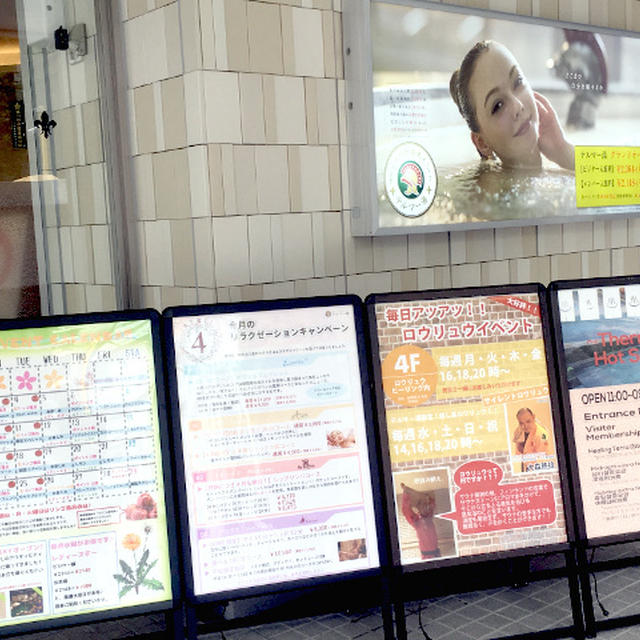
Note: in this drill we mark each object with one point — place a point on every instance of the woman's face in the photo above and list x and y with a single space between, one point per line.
506 109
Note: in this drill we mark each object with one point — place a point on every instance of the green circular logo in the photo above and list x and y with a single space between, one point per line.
410 179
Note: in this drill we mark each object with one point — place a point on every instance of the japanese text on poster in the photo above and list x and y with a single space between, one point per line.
469 426
602 354
607 176
275 446
82 514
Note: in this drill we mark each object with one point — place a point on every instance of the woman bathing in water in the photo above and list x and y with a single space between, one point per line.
508 120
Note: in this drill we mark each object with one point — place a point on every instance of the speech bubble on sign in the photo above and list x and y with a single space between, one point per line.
484 505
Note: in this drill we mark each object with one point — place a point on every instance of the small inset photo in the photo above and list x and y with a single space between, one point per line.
352 549
337 439
143 508
420 496
531 439
26 602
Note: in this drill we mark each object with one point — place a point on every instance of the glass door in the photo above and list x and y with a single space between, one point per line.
62 254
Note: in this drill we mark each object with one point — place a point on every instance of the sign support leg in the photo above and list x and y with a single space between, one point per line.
585 590
574 595
192 622
174 621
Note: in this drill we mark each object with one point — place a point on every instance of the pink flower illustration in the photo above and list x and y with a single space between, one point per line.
26 381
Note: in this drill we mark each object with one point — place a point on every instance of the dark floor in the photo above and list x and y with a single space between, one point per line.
477 615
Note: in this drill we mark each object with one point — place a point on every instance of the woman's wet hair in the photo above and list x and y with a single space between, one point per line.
459 84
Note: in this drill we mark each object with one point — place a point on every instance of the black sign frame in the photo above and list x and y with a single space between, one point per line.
169 606
373 574
441 294
553 289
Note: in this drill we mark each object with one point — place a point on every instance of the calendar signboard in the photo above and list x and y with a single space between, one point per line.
83 511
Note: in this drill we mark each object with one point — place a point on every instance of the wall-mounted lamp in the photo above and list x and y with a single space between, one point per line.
75 41
61 38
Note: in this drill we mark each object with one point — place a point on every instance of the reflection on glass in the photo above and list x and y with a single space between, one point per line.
19 291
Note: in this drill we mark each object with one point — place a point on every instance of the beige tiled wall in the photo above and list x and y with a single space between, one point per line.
238 127
75 214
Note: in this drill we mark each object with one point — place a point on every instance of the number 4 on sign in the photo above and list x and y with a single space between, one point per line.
198 343
407 366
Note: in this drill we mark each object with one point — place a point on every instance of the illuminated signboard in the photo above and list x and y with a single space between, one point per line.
598 326
469 425
275 447
540 126
83 522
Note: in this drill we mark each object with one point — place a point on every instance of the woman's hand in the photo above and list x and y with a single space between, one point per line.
551 138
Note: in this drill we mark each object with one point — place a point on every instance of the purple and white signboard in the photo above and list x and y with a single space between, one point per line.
275 448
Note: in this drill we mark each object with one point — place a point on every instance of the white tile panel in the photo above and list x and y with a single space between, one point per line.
276 290
365 283
272 179
101 243
66 252
252 108
192 32
231 251
145 198
173 48
308 49
195 107
244 167
54 264
265 38
297 245
158 252
260 256
222 107
207 35
390 253
203 243
82 254
327 244
199 181
310 165
290 115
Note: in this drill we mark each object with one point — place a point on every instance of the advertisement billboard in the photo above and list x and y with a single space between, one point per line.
83 514
598 331
467 421
276 454
475 119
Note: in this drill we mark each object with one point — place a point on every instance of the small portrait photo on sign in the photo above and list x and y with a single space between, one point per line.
420 497
531 436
